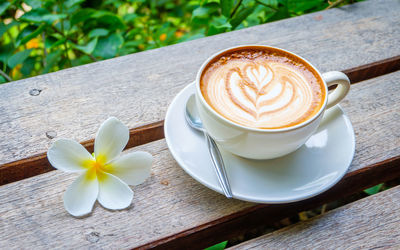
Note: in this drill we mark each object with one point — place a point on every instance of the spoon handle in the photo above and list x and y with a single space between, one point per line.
219 166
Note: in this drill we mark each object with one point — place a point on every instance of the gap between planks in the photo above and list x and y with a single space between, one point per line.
249 218
369 223
189 207
38 164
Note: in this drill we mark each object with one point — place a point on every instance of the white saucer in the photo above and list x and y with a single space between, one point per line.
312 169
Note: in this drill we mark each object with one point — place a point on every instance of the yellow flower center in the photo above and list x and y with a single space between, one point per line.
101 159
96 167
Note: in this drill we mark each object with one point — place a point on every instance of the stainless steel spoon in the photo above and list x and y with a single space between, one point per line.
194 121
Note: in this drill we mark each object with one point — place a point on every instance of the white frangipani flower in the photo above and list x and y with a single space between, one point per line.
104 175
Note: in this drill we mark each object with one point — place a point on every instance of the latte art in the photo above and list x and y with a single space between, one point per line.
261 93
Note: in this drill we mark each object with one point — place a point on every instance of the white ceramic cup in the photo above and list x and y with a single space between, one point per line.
260 144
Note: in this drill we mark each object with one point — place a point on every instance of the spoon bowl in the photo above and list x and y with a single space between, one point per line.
192 116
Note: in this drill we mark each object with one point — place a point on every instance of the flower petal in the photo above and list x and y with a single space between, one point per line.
68 155
110 140
133 168
113 193
81 195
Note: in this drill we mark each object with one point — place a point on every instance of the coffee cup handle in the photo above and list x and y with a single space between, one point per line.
343 86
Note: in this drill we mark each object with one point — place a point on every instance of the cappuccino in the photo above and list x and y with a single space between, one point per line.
262 88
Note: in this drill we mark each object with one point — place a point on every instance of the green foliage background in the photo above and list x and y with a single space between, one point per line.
40 36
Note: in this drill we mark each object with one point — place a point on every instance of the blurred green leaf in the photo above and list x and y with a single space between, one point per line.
305 5
130 17
6 52
50 18
373 190
41 15
240 16
203 12
218 25
28 66
18 58
52 42
81 60
101 13
280 14
3 28
81 16
107 47
123 27
260 15
24 33
98 32
128 48
71 3
272 3
219 246
226 7
2 80
51 60
33 3
4 6
111 22
88 48
31 35
283 2
190 37
100 19
49 41
132 43
133 33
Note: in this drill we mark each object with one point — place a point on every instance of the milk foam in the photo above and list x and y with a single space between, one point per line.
260 93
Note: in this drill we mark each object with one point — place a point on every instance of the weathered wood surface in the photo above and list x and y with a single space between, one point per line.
38 164
32 213
171 209
138 88
370 223
375 114
375 69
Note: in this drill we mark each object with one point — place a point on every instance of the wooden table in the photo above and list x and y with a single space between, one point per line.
171 209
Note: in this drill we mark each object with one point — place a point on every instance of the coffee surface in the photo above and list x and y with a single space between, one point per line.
262 88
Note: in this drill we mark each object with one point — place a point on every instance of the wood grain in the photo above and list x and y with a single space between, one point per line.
172 210
375 69
168 202
138 88
370 223
375 115
246 220
39 164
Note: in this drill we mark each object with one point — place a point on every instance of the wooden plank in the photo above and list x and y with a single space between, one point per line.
38 164
167 202
375 69
243 221
375 114
138 88
370 223
171 210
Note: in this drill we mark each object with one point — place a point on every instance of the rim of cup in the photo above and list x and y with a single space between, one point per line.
269 130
